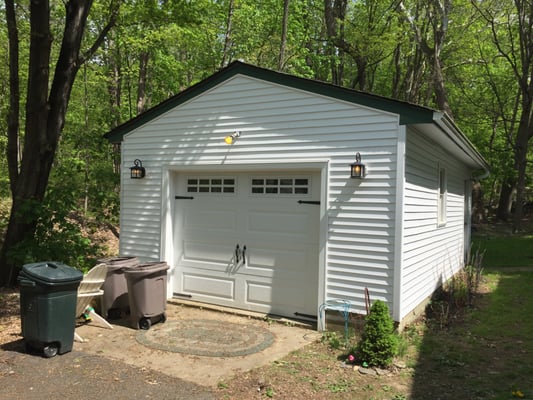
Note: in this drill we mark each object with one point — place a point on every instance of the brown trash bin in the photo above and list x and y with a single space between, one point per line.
147 293
115 300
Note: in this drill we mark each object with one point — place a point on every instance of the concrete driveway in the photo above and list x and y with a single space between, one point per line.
154 349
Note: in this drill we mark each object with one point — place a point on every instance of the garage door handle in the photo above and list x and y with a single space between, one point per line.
316 202
244 254
237 253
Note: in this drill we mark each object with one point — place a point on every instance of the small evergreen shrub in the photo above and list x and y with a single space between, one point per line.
378 344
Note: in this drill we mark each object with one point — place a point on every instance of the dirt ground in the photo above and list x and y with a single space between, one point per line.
111 364
78 375
120 344
108 351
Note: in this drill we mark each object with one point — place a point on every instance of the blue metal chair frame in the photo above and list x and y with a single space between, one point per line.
343 306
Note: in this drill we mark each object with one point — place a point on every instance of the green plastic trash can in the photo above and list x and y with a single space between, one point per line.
147 293
48 296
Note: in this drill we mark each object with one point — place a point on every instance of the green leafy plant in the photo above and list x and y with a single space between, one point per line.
457 293
399 396
332 339
378 344
269 392
5 208
60 235
473 270
340 386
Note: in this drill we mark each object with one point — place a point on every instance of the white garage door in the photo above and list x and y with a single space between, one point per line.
249 241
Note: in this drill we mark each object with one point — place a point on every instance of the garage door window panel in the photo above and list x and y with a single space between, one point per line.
281 186
211 185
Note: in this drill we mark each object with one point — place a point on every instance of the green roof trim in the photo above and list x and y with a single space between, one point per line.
408 113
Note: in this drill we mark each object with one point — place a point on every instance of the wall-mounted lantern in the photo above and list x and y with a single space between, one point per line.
357 169
231 138
137 171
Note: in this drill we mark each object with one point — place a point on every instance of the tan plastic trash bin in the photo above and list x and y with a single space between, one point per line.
147 293
115 300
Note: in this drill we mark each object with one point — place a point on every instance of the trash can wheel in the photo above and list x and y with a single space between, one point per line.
114 313
50 350
29 348
163 318
145 323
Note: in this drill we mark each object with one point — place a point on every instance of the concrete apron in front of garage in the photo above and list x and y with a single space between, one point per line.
198 344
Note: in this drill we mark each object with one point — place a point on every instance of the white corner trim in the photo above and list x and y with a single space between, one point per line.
398 233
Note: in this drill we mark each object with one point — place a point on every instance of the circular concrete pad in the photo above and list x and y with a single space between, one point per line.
204 337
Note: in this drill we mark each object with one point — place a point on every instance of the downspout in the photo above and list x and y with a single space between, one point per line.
484 175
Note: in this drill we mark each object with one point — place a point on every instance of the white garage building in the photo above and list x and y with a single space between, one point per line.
273 222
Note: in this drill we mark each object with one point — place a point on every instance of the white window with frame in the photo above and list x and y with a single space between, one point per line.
441 205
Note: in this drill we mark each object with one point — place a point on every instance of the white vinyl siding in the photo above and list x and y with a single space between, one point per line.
432 252
443 188
278 125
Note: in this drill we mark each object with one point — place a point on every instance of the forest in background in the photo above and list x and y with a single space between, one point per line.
470 58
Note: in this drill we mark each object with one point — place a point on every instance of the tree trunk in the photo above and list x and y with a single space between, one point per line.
441 96
511 33
505 201
478 206
141 87
522 140
45 116
12 151
525 126
334 16
283 43
227 37
437 15
114 83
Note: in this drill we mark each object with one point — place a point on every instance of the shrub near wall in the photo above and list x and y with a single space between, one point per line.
378 344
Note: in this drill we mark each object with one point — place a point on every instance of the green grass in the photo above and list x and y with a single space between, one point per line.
490 353
505 251
510 307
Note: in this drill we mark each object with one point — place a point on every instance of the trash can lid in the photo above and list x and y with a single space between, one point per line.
146 269
52 272
118 264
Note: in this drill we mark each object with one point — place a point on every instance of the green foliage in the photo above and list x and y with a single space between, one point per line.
5 208
60 235
379 343
458 292
269 392
184 41
508 251
332 339
509 309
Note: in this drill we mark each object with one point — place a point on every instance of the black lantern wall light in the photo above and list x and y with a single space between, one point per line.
357 168
137 171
